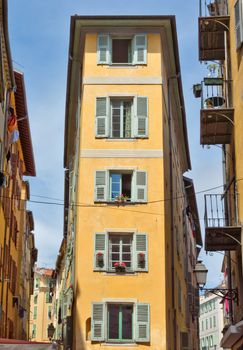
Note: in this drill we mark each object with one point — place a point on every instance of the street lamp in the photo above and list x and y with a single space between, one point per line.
50 331
201 271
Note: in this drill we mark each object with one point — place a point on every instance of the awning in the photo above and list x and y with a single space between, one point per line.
12 344
232 335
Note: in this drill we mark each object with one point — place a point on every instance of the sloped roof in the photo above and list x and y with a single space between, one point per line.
23 125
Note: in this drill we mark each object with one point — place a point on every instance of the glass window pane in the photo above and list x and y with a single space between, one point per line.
127 311
127 116
115 185
113 321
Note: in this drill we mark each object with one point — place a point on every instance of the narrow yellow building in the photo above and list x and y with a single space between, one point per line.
126 150
42 305
221 45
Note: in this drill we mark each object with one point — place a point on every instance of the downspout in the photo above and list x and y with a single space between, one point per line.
228 257
228 102
172 208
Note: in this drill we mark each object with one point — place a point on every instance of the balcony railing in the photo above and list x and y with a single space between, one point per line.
217 113
220 233
213 24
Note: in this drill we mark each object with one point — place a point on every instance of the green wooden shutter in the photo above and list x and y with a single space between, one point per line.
100 186
239 23
140 49
103 49
141 117
100 246
97 324
140 186
102 117
142 331
141 252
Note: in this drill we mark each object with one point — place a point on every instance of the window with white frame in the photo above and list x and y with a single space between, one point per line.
239 23
120 186
122 50
120 322
120 252
121 117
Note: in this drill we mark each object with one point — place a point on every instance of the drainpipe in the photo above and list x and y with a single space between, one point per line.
172 207
228 257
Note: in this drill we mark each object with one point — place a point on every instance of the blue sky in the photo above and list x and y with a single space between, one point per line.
39 38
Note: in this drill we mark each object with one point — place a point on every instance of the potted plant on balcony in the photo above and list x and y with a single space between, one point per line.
120 266
100 259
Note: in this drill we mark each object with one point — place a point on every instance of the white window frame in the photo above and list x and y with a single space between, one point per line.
121 99
134 49
117 37
139 119
109 250
139 245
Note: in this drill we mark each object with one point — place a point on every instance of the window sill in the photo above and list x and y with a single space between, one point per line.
126 273
121 140
119 344
122 65
119 203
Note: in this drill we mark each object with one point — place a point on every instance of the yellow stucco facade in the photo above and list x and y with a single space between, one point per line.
221 41
153 284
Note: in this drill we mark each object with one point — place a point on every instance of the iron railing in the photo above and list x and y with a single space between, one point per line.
215 213
213 8
216 93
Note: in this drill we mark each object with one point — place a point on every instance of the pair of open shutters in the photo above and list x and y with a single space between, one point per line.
139 49
139 186
139 118
140 246
141 322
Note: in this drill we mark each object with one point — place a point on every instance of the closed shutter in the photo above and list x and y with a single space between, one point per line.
184 341
100 186
142 333
102 119
140 49
141 117
100 251
141 252
103 49
140 186
239 23
97 324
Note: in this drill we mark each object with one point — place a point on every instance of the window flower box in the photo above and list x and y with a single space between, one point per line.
120 266
122 198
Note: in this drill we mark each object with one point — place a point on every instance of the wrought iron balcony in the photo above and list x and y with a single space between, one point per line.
217 113
219 233
213 25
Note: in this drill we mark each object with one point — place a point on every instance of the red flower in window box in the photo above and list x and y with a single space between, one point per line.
120 266
100 259
141 259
